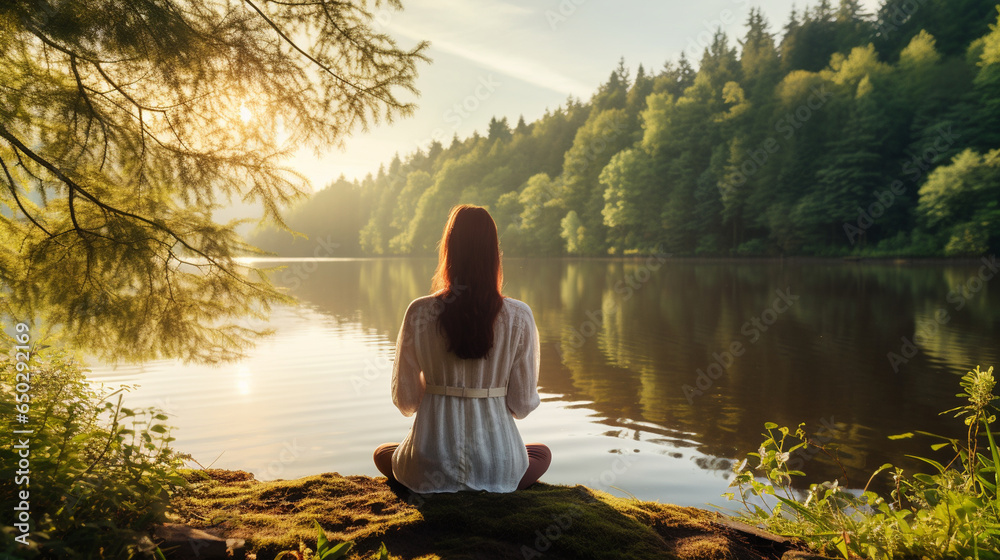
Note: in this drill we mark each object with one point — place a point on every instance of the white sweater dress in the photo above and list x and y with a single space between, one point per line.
462 443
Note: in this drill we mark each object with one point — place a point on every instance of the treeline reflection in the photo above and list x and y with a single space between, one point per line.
630 336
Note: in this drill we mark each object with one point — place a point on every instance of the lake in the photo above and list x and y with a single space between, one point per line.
655 375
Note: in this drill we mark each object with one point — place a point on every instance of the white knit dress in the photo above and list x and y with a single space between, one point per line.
461 443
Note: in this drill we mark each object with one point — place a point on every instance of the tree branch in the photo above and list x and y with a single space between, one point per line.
94 114
326 68
70 183
13 191
119 89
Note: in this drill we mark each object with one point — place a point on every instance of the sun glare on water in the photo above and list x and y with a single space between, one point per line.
244 379
245 113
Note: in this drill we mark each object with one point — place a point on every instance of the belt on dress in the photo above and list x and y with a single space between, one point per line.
467 392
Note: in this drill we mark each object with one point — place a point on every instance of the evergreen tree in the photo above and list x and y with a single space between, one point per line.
759 62
613 93
124 126
674 79
985 121
522 127
772 147
955 24
636 100
848 179
808 44
499 130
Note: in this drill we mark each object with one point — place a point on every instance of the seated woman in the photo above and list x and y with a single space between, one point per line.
467 365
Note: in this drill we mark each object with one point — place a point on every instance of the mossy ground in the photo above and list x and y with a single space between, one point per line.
544 521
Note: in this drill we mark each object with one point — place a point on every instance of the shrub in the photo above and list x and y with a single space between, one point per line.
953 512
101 474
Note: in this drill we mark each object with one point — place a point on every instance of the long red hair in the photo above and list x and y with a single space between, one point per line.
468 281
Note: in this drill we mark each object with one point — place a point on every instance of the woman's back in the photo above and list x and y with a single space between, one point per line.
464 442
467 365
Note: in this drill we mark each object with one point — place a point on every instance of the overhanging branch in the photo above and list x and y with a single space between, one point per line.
312 59
73 185
13 191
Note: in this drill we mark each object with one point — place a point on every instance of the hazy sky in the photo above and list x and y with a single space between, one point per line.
519 57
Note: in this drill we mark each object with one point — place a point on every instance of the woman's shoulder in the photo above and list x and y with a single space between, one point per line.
423 307
517 308
430 306
424 300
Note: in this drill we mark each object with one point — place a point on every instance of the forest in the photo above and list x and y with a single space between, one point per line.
842 134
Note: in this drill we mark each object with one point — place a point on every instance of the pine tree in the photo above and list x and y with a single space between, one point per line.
613 93
498 130
985 123
849 177
124 125
522 127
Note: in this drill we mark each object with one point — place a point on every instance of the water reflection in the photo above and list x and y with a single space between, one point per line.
784 342
628 336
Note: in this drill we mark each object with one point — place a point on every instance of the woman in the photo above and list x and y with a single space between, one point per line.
467 365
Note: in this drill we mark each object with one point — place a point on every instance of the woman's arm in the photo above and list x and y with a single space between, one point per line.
407 379
522 387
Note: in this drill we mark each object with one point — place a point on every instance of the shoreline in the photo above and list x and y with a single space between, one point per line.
544 521
898 260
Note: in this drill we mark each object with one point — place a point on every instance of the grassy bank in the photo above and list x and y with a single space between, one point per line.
544 521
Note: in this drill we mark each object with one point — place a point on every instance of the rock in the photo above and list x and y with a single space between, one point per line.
751 530
180 542
236 549
799 555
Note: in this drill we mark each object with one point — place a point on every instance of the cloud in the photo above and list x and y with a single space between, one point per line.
472 11
518 67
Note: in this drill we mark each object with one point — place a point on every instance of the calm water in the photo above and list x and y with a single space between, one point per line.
791 342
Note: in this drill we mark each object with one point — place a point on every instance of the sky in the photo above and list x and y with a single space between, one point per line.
521 57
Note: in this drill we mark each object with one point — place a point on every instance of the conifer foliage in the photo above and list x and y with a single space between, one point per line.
125 124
